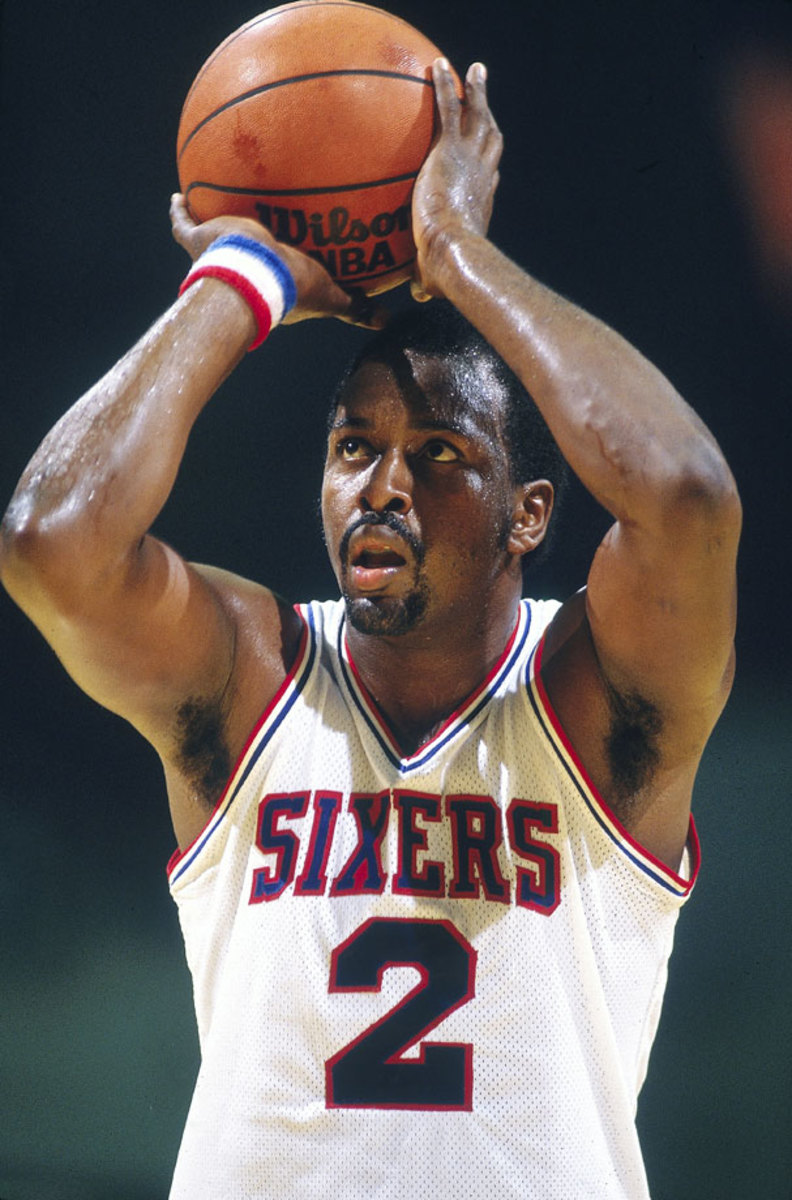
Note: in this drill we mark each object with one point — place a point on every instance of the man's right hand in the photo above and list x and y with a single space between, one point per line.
318 295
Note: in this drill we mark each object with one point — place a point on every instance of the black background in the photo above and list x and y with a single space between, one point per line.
618 190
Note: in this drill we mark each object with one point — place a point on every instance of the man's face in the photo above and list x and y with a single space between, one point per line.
416 499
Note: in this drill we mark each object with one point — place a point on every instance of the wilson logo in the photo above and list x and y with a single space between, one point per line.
340 241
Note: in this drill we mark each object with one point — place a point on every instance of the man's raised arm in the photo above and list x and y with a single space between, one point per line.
649 647
138 628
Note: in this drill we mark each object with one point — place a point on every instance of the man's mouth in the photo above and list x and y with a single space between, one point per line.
377 558
374 559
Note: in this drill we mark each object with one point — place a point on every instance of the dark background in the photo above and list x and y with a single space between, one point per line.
618 189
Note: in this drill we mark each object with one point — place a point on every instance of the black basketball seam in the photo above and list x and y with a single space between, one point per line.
266 87
275 12
309 191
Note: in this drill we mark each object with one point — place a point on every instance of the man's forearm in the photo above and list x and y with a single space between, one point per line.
620 424
103 473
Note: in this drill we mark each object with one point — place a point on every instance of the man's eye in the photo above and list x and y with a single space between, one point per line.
440 452
352 447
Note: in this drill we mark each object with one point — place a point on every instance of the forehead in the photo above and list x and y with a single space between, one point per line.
425 392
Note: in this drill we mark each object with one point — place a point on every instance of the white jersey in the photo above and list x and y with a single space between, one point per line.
419 978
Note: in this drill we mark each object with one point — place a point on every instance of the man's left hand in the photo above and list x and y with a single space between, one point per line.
455 189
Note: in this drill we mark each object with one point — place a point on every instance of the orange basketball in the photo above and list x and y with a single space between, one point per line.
315 118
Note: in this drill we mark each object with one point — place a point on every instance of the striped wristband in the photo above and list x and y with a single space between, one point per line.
259 275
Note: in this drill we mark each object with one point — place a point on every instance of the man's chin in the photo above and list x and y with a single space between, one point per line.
386 616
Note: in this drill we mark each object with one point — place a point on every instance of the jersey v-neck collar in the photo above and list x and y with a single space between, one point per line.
457 724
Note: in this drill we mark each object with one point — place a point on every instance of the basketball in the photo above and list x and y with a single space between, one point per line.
314 118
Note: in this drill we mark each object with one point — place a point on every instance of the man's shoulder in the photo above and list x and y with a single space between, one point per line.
557 620
542 612
321 620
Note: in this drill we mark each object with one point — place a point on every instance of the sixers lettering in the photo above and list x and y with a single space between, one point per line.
476 834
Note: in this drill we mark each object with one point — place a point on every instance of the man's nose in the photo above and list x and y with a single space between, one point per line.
388 485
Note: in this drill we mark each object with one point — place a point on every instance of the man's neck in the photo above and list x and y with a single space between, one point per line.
418 680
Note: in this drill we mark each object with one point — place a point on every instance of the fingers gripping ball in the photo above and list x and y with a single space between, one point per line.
315 118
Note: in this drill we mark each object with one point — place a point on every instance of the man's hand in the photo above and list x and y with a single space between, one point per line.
318 295
455 189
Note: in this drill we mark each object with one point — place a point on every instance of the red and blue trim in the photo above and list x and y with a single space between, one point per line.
602 814
459 721
268 724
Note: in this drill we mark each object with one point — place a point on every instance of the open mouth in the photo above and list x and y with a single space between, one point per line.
373 561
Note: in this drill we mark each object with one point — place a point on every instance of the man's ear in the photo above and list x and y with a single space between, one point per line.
533 504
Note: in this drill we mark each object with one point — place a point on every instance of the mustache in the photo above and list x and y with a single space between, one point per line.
393 522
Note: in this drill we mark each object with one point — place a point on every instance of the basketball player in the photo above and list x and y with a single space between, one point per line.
429 910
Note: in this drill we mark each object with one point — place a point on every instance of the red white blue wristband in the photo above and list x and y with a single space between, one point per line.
257 273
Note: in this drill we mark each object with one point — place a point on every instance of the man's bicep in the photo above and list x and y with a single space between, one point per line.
152 636
661 607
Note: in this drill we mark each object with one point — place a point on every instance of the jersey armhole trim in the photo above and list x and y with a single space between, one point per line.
557 737
269 721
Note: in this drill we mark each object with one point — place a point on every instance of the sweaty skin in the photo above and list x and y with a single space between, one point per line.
638 665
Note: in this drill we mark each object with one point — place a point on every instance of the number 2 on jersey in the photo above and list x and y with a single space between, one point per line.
371 1071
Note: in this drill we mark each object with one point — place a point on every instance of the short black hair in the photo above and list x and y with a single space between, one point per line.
438 330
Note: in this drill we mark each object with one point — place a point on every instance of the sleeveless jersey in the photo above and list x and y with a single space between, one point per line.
419 978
